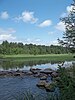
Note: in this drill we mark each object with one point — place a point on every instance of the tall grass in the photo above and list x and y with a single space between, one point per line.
49 57
25 96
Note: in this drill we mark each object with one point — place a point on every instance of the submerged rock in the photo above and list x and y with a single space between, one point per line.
41 83
50 87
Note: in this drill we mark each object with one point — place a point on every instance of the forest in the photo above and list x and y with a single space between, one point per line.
19 48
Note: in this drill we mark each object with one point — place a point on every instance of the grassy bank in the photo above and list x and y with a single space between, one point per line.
50 57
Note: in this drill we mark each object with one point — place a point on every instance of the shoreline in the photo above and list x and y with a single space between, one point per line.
48 57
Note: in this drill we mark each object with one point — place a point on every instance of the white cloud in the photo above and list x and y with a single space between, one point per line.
54 42
36 41
45 23
7 34
60 26
4 15
27 17
28 40
7 37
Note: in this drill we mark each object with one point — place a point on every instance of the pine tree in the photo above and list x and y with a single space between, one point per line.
69 35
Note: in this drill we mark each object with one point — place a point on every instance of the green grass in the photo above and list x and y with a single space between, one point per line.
49 57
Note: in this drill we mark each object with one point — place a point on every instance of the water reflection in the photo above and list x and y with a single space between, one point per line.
26 65
6 65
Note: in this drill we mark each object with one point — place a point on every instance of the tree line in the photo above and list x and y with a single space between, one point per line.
20 48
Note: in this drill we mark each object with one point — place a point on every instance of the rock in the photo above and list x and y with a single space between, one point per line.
54 74
43 77
2 74
29 73
18 74
18 70
34 71
37 75
50 87
15 73
41 84
12 73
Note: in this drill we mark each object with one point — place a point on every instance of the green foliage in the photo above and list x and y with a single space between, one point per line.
67 83
26 96
45 57
69 35
19 48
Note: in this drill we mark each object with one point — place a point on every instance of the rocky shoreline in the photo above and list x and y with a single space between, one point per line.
47 77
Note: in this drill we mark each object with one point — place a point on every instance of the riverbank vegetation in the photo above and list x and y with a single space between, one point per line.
67 83
46 57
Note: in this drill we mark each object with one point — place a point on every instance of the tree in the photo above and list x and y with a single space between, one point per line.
69 35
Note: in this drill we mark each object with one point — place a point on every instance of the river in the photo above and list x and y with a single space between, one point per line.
14 87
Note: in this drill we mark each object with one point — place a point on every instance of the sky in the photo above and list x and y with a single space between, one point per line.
33 21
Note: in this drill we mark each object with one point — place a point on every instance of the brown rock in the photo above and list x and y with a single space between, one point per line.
34 71
43 77
50 87
29 73
41 83
54 74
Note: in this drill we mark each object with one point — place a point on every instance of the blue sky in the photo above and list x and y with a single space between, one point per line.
32 21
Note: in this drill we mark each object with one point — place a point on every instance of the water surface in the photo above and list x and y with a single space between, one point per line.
26 65
12 87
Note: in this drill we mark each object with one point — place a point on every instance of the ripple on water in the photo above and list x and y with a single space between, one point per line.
12 87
